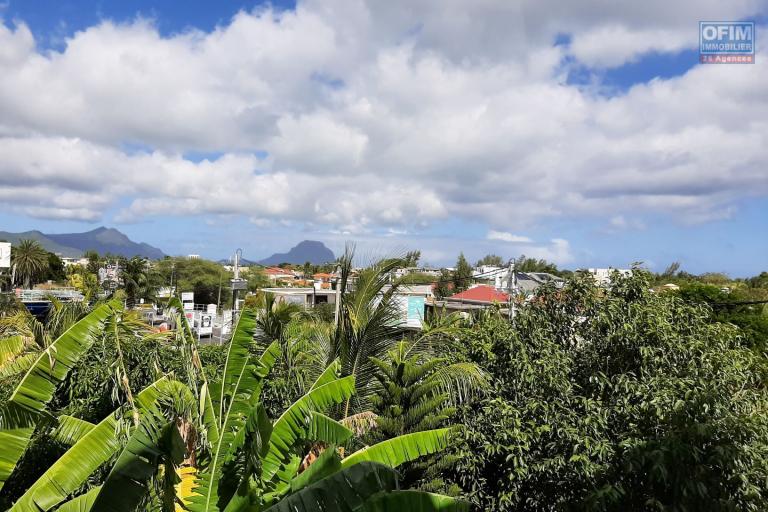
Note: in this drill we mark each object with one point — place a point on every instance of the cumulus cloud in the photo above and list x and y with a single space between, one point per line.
557 251
508 237
383 117
614 45
622 223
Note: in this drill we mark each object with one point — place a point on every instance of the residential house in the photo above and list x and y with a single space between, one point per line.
305 297
602 276
525 283
277 274
469 301
323 280
74 261
411 303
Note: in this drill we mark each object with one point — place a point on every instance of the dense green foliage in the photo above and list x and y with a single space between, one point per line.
139 279
182 442
55 270
462 274
525 264
731 305
207 279
444 285
619 400
490 259
419 278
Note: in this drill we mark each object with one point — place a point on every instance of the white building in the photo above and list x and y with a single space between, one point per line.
491 274
526 282
74 261
602 276
411 303
304 297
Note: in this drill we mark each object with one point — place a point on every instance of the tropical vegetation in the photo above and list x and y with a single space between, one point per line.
634 396
29 262
183 442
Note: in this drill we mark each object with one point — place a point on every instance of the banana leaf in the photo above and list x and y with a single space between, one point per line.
10 348
18 365
398 450
414 501
292 425
328 463
323 428
20 415
73 468
344 491
70 429
240 390
155 441
82 503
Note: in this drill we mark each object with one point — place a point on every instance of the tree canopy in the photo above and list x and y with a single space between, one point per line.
493 260
462 274
200 276
615 400
29 262
525 264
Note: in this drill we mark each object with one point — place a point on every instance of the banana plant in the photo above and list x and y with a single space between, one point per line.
238 460
20 415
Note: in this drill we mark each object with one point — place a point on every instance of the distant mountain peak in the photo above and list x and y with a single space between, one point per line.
102 240
312 251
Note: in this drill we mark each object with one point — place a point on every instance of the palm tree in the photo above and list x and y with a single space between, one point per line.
136 276
210 450
303 353
368 322
273 316
29 262
417 392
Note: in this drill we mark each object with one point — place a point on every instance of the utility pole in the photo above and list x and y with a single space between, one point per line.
338 298
218 298
512 288
238 255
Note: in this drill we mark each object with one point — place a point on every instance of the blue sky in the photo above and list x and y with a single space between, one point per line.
587 136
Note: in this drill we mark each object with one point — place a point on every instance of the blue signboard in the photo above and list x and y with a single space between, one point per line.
727 42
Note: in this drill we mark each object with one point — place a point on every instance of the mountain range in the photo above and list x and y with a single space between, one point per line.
73 245
306 251
110 240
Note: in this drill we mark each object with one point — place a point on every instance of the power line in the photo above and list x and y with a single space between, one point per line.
478 276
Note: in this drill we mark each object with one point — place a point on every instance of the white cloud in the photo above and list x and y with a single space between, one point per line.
614 45
380 116
508 237
558 251
619 223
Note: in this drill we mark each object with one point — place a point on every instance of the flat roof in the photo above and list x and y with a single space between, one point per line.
298 291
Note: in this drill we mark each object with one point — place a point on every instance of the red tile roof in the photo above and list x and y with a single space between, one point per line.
277 271
481 294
